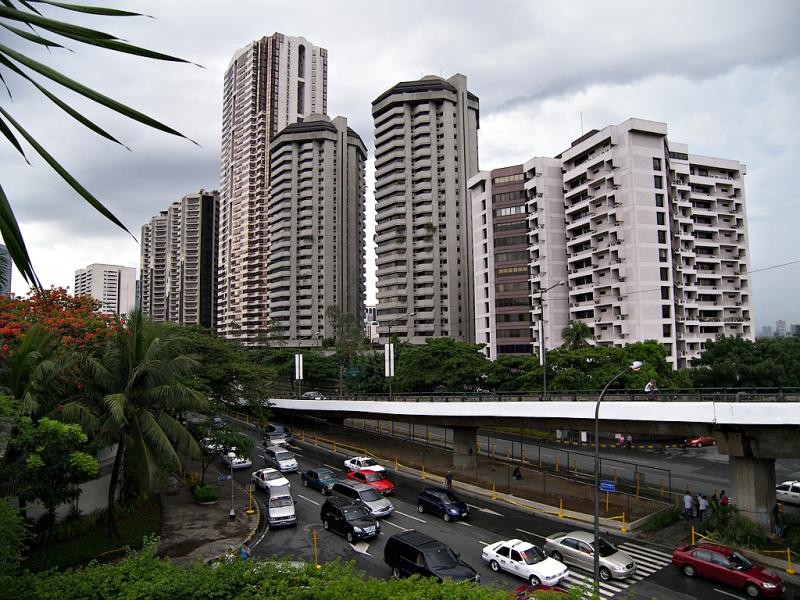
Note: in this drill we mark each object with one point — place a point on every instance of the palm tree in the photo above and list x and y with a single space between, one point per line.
576 335
138 387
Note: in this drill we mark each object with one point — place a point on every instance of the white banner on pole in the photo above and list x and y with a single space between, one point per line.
541 343
298 366
388 360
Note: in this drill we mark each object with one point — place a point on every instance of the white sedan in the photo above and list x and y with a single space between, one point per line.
524 560
788 491
363 462
236 462
269 478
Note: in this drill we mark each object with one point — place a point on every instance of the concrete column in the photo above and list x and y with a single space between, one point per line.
465 440
753 488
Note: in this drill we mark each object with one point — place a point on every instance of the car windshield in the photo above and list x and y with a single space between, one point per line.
449 498
607 548
270 475
533 555
280 501
284 455
740 562
372 477
370 495
368 462
440 558
355 514
325 475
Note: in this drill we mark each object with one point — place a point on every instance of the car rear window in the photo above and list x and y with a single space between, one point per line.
440 558
370 495
356 513
284 455
280 501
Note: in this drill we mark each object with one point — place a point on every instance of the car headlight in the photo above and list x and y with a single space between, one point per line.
452 511
769 586
377 525
618 567
358 530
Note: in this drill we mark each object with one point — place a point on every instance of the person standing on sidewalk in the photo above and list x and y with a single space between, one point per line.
688 502
702 507
448 479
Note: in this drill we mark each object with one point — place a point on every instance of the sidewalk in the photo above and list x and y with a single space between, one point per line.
192 532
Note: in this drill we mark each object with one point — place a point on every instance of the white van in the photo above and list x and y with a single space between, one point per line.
280 458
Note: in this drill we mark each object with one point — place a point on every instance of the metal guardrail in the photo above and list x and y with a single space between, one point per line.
585 396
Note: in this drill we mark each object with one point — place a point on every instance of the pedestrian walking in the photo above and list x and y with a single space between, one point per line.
688 502
650 389
448 479
723 498
244 552
628 441
517 473
702 507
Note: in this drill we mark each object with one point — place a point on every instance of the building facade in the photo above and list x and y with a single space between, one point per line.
5 271
113 286
426 148
178 278
269 84
650 239
316 213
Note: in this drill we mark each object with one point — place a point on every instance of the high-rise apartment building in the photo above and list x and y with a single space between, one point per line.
780 328
269 84
5 271
316 228
651 240
113 286
179 261
426 148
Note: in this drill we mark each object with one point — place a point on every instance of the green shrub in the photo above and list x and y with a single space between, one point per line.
663 518
728 527
204 493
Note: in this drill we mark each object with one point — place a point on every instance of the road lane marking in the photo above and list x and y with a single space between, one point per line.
544 537
397 512
464 523
728 594
486 510
361 548
332 467
396 525
308 499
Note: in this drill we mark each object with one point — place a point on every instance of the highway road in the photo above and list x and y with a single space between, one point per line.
488 523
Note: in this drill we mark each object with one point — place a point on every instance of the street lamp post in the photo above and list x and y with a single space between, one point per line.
232 514
542 349
389 337
634 366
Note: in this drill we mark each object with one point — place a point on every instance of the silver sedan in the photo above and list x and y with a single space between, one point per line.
577 548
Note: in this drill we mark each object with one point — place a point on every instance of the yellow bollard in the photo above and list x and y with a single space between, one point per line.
692 534
662 487
556 464
508 454
334 446
561 508
575 468
789 569
315 440
637 485
396 467
494 492
522 456
606 502
494 448
429 437
249 510
423 476
623 529
314 538
365 452
303 435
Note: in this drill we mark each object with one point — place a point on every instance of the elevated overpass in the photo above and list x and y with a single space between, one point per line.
752 429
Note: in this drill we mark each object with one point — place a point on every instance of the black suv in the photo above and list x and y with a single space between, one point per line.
414 553
349 518
278 429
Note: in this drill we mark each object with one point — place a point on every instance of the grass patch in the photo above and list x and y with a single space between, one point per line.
662 519
95 543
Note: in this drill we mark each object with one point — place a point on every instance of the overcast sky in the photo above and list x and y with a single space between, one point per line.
724 76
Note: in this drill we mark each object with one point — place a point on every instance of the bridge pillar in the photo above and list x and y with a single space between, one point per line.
465 440
753 489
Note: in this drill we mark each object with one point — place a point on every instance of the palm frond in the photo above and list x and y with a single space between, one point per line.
15 243
182 440
115 403
93 10
160 444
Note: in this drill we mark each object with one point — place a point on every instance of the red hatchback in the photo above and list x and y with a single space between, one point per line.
699 441
376 480
729 567
533 592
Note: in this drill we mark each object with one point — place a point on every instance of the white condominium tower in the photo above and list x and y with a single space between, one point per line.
426 147
652 241
270 83
316 229
113 286
178 281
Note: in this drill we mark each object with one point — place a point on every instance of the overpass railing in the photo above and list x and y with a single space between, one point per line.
619 395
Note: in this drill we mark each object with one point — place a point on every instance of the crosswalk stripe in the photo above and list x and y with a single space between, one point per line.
639 555
584 580
643 562
646 549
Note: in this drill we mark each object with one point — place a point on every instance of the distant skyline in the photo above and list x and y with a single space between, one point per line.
724 76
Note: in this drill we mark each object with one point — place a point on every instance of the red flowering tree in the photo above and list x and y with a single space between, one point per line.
76 321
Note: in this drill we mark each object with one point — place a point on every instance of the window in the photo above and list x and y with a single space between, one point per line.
665 311
664 274
570 543
660 200
656 164
662 255
703 555
301 61
667 330
660 219
511 210
301 97
658 182
503 551
662 236
515 556
508 178
665 293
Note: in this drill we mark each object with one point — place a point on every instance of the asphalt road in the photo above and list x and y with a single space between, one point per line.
487 523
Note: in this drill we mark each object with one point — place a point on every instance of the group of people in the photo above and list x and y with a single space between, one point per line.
698 505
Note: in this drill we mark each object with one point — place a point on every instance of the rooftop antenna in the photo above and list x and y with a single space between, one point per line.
581 113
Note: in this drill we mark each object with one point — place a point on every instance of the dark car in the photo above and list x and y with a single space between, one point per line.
321 480
727 566
414 553
348 518
278 428
439 501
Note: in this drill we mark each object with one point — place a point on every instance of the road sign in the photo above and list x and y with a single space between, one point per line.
607 486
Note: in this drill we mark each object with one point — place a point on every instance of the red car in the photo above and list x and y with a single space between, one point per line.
530 592
699 441
729 567
376 480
